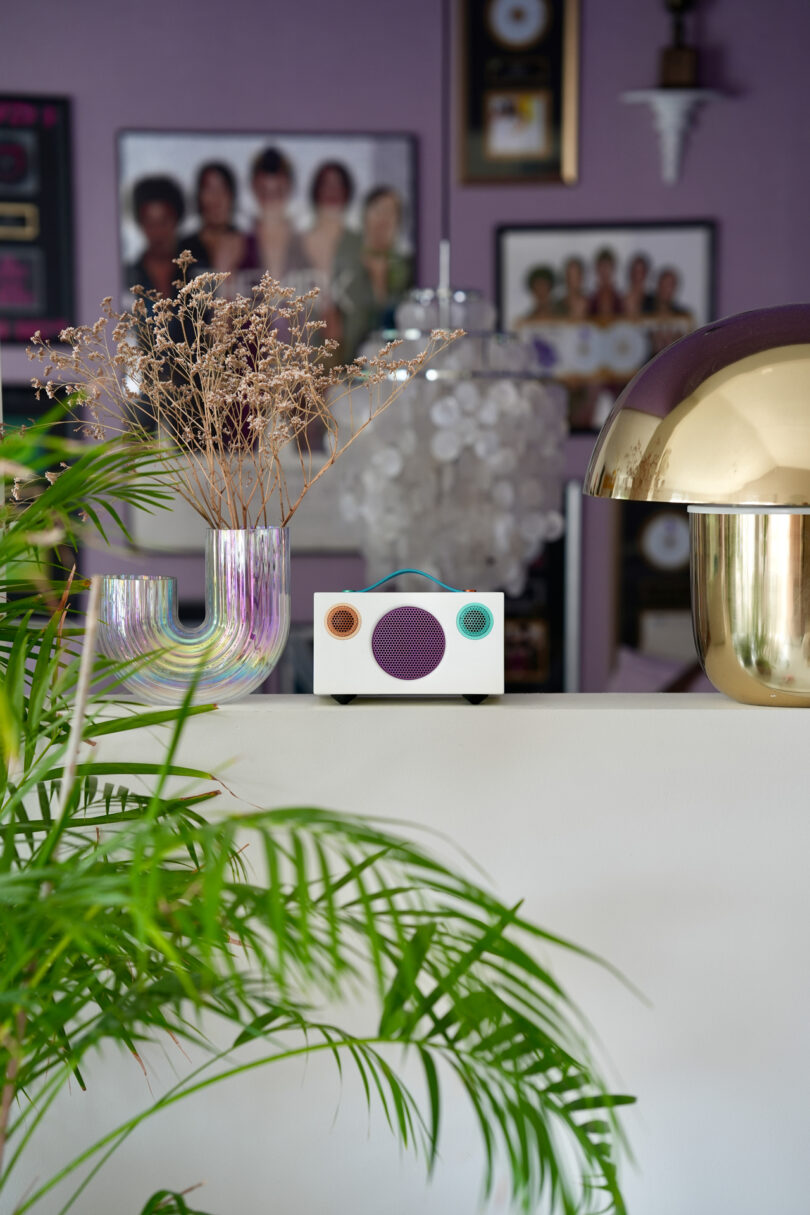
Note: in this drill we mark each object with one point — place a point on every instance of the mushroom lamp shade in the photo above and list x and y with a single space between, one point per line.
721 421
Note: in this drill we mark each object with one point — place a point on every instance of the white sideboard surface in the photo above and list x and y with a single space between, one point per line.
668 834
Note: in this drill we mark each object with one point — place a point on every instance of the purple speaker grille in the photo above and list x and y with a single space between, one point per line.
408 643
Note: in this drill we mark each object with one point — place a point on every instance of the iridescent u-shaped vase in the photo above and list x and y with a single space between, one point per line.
247 620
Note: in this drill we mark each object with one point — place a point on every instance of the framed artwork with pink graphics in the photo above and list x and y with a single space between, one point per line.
36 217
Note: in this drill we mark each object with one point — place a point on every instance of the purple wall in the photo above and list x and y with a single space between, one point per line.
374 64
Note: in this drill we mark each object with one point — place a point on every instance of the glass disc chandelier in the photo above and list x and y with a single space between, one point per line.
463 476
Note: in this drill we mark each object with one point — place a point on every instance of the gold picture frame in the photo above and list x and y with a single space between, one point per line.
518 101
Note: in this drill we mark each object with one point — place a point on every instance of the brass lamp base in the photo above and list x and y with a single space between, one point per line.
750 572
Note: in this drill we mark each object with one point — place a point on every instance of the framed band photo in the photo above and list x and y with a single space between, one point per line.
599 300
519 75
336 212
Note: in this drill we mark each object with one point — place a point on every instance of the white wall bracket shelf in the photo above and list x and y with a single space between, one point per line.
673 111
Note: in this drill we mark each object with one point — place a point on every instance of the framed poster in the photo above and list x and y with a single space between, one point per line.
599 300
36 218
519 90
333 211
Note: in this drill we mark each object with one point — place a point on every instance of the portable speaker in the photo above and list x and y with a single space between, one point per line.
435 643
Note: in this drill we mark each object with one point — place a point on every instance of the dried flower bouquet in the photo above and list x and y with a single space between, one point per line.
225 388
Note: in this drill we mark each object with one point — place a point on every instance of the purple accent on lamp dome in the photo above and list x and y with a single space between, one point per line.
408 643
672 377
679 369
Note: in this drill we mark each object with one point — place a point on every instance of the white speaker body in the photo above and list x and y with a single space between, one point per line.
385 643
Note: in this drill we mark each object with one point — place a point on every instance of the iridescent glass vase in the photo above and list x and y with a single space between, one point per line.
247 620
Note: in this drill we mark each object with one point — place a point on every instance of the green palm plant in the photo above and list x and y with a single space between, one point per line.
129 915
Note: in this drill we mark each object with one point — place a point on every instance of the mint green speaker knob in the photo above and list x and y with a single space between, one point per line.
475 621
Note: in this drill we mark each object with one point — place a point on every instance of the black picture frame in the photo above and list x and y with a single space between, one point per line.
37 289
594 337
379 165
543 625
518 91
655 592
535 626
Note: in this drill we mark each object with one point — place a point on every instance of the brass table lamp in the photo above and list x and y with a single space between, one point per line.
721 420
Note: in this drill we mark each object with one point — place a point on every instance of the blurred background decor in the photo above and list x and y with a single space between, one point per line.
519 90
678 97
463 478
598 300
331 211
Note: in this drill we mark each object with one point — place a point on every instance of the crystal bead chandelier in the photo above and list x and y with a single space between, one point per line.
463 476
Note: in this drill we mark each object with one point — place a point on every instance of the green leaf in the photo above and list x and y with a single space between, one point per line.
404 985
434 1099
167 1202
603 1101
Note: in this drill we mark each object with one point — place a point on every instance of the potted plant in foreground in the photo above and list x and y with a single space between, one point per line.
240 398
119 911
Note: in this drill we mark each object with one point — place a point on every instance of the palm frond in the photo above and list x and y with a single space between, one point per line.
128 914
186 924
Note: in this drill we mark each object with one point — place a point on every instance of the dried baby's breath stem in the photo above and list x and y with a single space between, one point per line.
225 386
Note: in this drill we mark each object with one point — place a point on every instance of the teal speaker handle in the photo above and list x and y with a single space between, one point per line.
456 590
